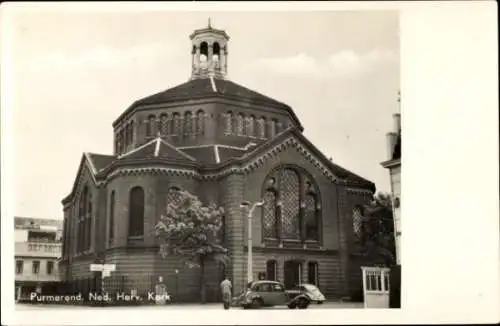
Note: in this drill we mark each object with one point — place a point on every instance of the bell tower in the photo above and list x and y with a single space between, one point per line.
209 52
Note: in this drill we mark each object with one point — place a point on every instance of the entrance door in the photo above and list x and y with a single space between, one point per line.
292 271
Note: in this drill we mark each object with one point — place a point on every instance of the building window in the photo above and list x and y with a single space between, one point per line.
112 202
261 128
136 212
311 217
176 119
357 221
150 127
50 267
250 128
312 273
131 132
229 122
290 210
35 267
188 123
84 221
272 128
19 266
173 196
240 131
271 270
270 218
163 124
290 197
200 122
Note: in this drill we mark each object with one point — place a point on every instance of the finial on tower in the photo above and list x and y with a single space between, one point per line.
209 23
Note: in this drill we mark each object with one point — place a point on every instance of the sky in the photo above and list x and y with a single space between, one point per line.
75 72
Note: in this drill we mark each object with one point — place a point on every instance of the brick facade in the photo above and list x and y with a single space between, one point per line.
219 166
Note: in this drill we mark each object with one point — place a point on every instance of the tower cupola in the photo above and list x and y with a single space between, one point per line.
209 53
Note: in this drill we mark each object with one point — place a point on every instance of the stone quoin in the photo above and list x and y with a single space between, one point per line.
225 144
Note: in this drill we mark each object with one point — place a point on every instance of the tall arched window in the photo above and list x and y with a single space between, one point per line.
173 196
240 125
200 122
132 131
136 212
112 202
151 124
261 127
163 124
290 197
291 210
311 218
176 118
357 221
271 270
88 223
229 122
270 218
272 128
82 220
279 127
250 126
188 123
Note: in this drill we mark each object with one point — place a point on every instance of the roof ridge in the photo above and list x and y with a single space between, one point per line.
135 150
161 140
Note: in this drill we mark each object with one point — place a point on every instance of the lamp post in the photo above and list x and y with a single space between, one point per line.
251 207
176 284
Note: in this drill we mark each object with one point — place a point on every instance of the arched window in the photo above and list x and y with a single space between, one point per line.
290 197
131 132
173 196
203 52
136 212
163 124
279 127
150 129
270 216
250 126
229 122
261 127
240 125
188 123
124 141
291 210
312 273
271 270
88 223
200 122
112 202
216 51
125 136
357 221
176 119
311 218
82 220
272 128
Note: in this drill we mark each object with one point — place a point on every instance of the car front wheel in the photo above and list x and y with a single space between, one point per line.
256 303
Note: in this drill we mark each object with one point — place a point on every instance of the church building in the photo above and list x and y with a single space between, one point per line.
226 144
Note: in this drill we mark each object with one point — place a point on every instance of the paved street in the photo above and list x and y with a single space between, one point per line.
328 305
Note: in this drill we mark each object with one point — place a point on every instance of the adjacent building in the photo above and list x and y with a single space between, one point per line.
393 164
226 144
37 250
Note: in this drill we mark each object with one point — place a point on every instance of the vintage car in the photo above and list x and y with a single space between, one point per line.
271 293
310 290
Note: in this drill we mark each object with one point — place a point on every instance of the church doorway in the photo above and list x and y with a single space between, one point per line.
293 273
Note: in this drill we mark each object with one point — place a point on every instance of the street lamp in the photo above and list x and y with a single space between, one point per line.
251 207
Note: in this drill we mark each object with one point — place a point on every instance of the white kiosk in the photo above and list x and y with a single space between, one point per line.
376 287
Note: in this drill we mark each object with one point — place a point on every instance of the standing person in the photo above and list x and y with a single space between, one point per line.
226 288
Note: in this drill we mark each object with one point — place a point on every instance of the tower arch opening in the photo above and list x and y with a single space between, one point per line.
203 51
